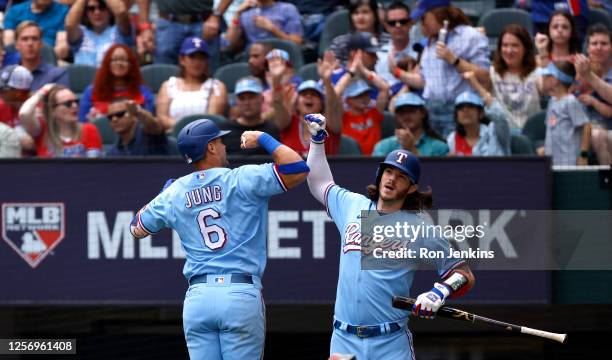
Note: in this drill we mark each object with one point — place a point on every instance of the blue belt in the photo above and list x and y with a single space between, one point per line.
235 279
367 331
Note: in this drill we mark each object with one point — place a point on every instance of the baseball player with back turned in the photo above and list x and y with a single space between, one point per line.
221 217
365 323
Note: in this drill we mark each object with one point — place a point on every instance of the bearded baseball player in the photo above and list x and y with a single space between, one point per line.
365 324
221 216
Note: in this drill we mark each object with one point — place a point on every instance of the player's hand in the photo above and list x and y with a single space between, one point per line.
427 304
248 140
316 127
338 356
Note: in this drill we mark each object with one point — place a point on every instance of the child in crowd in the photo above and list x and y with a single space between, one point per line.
568 131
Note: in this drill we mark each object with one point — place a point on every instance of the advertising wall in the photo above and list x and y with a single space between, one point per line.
66 239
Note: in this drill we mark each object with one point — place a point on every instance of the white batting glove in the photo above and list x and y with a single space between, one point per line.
316 127
427 304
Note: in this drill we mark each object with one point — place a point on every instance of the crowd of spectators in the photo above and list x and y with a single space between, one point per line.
414 75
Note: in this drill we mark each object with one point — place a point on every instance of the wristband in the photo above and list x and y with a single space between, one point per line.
278 87
267 142
370 76
235 22
397 73
584 154
457 61
352 74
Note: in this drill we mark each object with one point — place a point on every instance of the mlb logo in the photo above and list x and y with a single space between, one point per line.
219 280
201 175
33 230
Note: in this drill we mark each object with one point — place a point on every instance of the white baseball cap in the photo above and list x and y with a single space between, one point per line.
15 77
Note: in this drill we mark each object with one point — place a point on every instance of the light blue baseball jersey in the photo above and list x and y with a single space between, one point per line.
363 297
221 216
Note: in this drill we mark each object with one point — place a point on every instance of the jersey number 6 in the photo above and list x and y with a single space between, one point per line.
208 230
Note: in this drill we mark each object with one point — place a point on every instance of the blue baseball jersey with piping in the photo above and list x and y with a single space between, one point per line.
363 297
221 216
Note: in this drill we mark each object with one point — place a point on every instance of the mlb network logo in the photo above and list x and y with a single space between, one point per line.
33 230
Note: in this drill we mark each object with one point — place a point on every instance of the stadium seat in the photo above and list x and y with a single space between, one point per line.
109 137
387 127
187 119
230 73
535 129
521 145
348 146
494 21
295 52
600 16
155 74
474 8
172 147
80 77
337 23
309 72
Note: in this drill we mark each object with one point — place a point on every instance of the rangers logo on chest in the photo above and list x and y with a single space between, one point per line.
33 230
352 237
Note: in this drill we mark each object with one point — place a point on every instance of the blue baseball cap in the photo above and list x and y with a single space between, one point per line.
363 41
192 45
311 85
469 97
248 84
553 70
409 99
424 6
356 88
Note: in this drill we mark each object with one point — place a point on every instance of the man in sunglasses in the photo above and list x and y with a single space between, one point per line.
397 24
139 133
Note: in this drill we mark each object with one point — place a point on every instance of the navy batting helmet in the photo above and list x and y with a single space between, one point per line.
404 160
193 138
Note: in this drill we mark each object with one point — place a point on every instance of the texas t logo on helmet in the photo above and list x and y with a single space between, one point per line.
400 157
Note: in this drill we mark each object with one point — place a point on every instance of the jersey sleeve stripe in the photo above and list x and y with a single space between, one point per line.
142 225
279 178
325 194
447 272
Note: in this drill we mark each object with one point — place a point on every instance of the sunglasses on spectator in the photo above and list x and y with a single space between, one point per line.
116 115
400 22
93 8
68 103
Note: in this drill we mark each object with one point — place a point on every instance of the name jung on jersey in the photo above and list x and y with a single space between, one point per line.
203 195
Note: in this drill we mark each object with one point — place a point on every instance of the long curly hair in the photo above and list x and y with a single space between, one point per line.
103 83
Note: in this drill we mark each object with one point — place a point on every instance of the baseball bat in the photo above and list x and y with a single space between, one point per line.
406 303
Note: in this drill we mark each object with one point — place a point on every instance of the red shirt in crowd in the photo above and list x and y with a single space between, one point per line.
461 146
364 128
8 115
293 136
90 140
